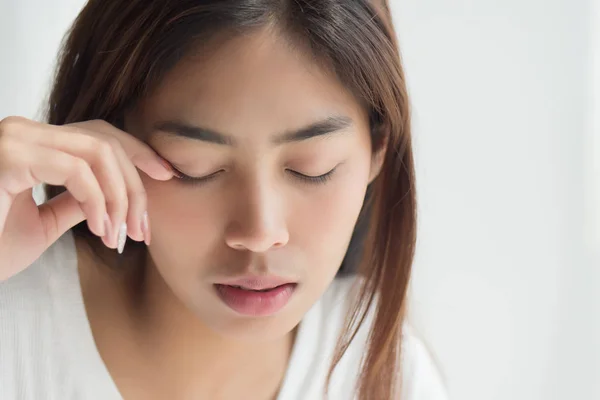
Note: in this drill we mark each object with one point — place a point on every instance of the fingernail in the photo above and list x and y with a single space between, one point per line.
122 237
146 228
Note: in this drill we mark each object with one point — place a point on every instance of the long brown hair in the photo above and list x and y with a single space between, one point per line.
116 52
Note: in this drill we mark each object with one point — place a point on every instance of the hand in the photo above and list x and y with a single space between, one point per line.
95 161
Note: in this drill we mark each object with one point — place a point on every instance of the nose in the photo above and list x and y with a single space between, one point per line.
259 223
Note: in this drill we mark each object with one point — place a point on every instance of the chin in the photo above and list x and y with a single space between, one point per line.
255 329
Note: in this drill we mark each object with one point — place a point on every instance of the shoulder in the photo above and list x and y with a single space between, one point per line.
421 378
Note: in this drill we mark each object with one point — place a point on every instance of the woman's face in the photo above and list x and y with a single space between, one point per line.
232 117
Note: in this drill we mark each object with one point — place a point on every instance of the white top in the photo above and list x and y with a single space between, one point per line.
47 351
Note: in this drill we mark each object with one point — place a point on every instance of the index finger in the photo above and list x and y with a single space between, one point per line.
140 154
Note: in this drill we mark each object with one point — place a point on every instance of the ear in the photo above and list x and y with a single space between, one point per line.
377 161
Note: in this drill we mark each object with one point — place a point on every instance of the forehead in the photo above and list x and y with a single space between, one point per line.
256 77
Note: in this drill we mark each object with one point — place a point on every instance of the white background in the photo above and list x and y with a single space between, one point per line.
505 118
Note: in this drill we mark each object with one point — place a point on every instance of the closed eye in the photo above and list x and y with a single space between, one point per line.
313 179
310 179
195 180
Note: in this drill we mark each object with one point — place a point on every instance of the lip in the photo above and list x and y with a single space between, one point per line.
256 282
242 295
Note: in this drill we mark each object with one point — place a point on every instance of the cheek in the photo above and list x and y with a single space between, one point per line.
189 223
323 225
182 229
165 208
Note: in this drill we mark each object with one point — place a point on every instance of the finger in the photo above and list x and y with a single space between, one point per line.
105 164
135 193
28 164
76 175
60 214
118 177
142 155
98 150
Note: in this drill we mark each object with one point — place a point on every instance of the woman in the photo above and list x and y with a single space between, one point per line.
257 154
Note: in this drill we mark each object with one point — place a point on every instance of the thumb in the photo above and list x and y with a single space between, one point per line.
60 214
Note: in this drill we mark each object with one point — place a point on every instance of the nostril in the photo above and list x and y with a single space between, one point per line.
256 240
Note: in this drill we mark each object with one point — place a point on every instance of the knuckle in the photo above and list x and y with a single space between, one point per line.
119 198
123 199
89 124
81 168
119 206
88 141
10 125
104 149
6 149
76 129
97 122
103 124
113 142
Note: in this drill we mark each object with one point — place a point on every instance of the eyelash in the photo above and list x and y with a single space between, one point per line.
312 180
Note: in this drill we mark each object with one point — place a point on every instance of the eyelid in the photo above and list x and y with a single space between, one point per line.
181 175
178 174
311 179
293 171
308 179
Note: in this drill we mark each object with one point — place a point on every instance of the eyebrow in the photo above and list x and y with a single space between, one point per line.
328 126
